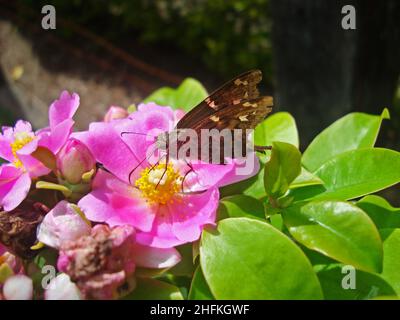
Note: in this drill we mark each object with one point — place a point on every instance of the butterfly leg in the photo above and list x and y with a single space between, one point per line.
165 170
139 164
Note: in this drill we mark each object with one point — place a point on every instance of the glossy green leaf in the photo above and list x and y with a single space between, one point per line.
380 211
367 285
241 206
152 289
391 258
186 266
359 172
189 93
353 131
253 186
339 230
282 168
249 259
199 289
305 178
279 126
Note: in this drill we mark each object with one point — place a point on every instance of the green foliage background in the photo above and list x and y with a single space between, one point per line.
226 35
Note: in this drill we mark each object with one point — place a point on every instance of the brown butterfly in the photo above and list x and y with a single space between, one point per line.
235 105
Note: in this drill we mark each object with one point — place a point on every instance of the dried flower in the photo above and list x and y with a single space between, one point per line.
18 227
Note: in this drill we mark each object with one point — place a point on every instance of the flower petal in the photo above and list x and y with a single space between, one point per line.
63 108
116 203
62 288
62 224
149 257
108 148
14 187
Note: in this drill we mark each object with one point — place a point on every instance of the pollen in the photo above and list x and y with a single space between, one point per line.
20 141
159 184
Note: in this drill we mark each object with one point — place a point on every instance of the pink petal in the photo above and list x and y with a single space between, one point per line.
5 149
191 215
28 148
63 108
34 167
56 138
149 257
23 126
14 187
62 224
108 148
118 205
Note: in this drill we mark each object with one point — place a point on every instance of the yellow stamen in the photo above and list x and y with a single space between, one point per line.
157 186
20 141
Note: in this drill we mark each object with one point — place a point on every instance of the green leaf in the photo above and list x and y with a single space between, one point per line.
152 289
359 172
241 206
339 230
282 168
353 131
380 211
185 267
253 186
280 126
199 289
367 285
305 178
391 258
189 93
249 259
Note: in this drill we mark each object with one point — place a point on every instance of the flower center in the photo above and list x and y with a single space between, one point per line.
21 139
160 184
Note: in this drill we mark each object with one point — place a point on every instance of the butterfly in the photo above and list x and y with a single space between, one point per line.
235 105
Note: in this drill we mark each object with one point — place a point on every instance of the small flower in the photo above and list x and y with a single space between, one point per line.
115 113
63 223
18 287
18 227
74 160
102 264
18 146
151 198
62 288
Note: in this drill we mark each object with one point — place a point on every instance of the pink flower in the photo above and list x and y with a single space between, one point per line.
63 223
103 263
163 215
19 143
115 113
73 160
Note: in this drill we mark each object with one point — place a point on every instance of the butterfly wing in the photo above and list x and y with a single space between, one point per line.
243 87
246 114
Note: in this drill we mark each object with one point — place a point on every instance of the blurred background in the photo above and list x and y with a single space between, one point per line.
117 52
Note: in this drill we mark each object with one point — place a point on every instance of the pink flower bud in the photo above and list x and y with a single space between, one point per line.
73 160
18 287
115 113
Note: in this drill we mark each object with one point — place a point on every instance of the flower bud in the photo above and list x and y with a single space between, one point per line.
73 160
18 287
115 113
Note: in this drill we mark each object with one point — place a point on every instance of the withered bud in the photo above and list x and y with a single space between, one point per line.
18 227
101 264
